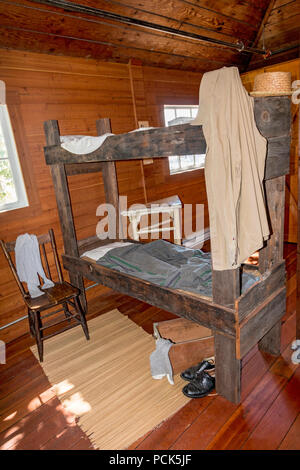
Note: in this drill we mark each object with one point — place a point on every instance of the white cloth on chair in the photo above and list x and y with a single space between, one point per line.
29 265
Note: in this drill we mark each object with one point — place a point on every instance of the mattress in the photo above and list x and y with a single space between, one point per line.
166 264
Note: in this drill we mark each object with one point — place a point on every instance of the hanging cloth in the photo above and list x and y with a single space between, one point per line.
234 168
29 266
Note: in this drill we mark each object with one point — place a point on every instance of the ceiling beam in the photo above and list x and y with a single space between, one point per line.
75 7
264 22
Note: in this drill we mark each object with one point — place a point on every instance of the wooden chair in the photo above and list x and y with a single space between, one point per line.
62 293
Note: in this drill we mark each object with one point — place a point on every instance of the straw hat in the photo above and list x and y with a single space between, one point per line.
272 84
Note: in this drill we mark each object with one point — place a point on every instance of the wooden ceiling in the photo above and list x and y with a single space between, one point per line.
40 27
282 31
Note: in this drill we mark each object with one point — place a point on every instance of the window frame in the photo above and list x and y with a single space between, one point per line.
181 169
13 158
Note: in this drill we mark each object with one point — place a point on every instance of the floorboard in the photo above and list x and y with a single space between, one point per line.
278 419
291 439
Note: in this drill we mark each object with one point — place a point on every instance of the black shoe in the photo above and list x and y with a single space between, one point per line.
199 387
192 372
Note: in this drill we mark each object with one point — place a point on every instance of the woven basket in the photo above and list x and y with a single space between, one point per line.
272 84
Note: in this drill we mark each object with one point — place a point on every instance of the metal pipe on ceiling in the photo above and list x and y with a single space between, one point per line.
75 7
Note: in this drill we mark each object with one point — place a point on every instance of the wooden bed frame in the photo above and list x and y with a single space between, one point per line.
238 322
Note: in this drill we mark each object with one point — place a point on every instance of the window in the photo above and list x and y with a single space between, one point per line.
12 188
180 115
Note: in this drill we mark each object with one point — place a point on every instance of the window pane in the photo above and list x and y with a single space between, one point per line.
183 112
176 115
199 160
169 115
7 187
12 188
3 151
174 163
187 161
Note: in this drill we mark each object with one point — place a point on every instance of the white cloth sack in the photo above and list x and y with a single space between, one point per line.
160 363
97 253
82 144
29 265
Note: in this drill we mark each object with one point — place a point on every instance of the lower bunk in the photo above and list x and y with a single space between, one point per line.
254 318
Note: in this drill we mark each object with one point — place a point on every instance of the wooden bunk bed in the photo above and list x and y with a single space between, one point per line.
237 321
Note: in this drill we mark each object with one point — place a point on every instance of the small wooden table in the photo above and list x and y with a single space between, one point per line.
170 205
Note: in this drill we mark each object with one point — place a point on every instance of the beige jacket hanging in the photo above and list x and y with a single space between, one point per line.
234 168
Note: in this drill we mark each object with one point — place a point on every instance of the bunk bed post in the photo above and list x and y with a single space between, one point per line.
60 183
225 290
109 175
228 368
272 253
226 286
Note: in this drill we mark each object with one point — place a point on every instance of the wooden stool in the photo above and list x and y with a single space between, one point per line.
62 293
170 205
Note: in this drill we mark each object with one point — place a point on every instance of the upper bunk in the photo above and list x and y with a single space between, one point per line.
272 115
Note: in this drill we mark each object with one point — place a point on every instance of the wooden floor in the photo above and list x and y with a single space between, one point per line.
268 418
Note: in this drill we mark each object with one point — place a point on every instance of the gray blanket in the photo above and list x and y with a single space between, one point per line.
168 265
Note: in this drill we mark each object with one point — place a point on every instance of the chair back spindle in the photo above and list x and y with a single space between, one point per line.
56 260
44 261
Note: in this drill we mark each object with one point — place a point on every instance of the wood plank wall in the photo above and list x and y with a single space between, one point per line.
76 92
291 196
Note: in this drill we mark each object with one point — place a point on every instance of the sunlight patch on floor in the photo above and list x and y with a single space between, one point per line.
11 416
13 442
34 404
76 404
63 387
11 431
